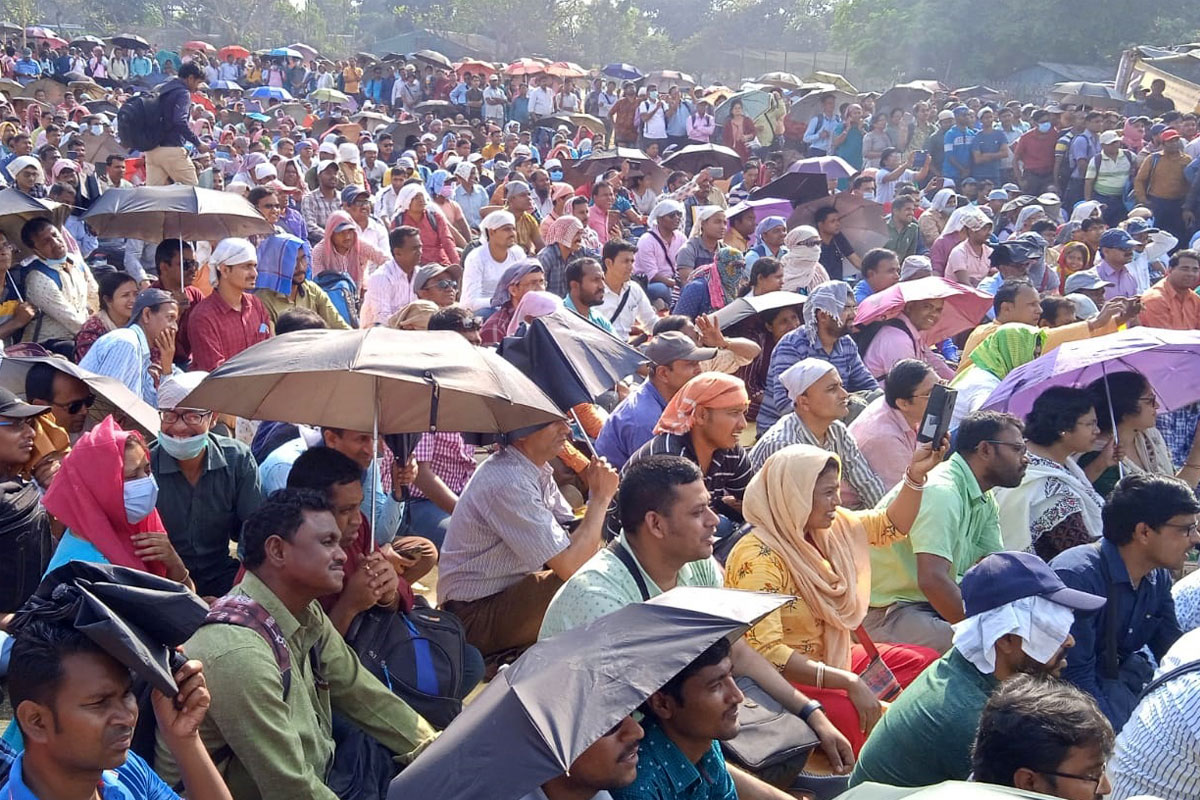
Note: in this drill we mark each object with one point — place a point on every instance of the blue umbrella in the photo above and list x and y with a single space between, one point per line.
285 52
270 92
625 72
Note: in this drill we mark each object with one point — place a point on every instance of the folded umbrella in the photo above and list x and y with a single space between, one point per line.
112 396
696 157
569 358
964 307
137 618
751 304
1165 357
536 717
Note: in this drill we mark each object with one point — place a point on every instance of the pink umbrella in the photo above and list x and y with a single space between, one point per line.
46 35
964 306
526 66
565 69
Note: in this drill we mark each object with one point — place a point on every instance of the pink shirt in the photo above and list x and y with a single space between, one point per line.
892 344
963 257
650 259
885 439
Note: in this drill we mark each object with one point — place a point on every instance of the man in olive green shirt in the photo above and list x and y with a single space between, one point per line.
266 745
914 582
306 294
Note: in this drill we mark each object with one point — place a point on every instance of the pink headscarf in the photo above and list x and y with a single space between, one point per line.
326 258
706 390
1132 137
533 304
563 230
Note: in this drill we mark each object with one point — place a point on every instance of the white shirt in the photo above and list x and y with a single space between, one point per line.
973 391
654 125
1192 148
387 290
636 309
481 274
1158 750
541 101
494 111
376 235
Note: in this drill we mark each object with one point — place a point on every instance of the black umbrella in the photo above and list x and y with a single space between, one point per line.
569 358
433 58
696 157
87 42
433 106
536 717
130 41
137 618
796 187
749 305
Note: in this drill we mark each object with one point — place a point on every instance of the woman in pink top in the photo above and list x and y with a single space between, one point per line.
701 125
413 207
886 430
902 337
970 260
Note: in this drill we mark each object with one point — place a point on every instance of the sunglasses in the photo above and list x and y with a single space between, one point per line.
446 285
472 324
75 406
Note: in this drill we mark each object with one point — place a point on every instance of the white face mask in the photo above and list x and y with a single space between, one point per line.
869 196
806 252
96 130
140 496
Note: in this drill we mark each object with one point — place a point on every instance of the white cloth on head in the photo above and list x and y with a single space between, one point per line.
463 170
495 220
23 162
704 212
405 197
663 208
803 374
972 218
1025 213
1085 209
177 386
802 268
941 201
230 251
1042 625
347 153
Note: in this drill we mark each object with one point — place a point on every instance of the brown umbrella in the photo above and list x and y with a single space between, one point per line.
54 90
112 396
97 149
696 157
862 220
17 208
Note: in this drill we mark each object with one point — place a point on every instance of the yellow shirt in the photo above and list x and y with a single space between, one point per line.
1054 337
792 628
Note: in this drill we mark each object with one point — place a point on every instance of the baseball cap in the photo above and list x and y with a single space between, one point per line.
10 406
1108 137
370 147
1170 135
327 164
945 114
960 110
404 162
346 225
1115 237
304 145
672 346
1049 199
1011 187
551 163
1157 128
264 171
1137 226
1084 280
426 273
352 193
428 137
1006 576
998 194
516 189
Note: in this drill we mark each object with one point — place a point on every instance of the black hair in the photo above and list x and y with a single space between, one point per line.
1178 254
903 200
649 485
821 213
716 653
59 189
1007 293
298 319
1055 411
451 318
31 229
39 382
281 514
762 268
1052 306
1152 499
1094 115
574 272
614 248
36 665
860 179
1125 389
401 234
167 250
671 322
109 283
875 258
1033 721
903 379
190 70
258 193
1044 226
1087 223
980 426
322 468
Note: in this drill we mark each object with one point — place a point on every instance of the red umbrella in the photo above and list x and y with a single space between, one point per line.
475 67
46 35
204 101
526 66
964 307
565 69
235 50
198 46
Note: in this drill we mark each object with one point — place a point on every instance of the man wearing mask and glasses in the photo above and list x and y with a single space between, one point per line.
208 486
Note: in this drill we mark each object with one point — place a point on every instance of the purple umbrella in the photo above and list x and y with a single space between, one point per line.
1165 357
829 166
767 207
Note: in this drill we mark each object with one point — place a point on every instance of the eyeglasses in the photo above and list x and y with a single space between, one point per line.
1149 400
16 423
809 243
75 406
1188 530
191 263
1018 447
1095 780
471 323
446 285
190 417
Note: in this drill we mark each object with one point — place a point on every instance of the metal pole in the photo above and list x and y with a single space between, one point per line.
375 477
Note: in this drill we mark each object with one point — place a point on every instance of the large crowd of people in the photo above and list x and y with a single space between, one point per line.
1014 604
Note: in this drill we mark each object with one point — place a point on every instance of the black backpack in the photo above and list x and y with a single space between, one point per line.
140 123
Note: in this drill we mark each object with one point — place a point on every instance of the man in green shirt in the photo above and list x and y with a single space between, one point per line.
903 237
914 582
668 534
272 743
1019 622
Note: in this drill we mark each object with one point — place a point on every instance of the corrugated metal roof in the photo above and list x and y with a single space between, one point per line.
1080 72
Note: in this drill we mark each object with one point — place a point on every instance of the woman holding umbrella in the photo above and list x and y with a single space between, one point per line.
740 132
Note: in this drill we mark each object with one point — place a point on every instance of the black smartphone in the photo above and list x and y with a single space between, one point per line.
919 157
936 422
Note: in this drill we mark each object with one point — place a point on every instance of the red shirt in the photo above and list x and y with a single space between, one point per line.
217 332
1035 150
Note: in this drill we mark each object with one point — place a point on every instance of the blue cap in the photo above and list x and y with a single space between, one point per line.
1116 237
960 110
1006 576
352 193
1137 225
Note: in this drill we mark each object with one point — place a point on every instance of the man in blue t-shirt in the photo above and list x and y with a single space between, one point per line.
957 142
989 148
75 707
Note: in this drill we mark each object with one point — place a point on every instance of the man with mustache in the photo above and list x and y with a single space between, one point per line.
1018 621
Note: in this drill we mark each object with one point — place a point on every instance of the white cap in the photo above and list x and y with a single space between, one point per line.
328 147
264 171
370 147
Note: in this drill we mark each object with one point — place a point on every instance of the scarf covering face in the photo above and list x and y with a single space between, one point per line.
88 496
277 262
802 269
831 568
533 304
563 230
715 390
1007 348
941 201
830 297
723 276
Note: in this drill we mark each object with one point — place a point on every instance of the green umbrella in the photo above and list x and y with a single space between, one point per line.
328 96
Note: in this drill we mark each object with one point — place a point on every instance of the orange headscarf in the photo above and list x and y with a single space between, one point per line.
706 390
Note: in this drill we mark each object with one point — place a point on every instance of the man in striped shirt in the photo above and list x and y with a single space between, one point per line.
819 402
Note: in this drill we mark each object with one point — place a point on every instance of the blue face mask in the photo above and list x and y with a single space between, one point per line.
183 449
556 175
140 496
1044 127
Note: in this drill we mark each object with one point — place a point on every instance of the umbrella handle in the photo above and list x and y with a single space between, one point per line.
1112 418
434 399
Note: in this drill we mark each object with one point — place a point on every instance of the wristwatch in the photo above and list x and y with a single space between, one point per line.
811 707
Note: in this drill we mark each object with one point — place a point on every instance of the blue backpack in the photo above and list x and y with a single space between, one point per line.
343 292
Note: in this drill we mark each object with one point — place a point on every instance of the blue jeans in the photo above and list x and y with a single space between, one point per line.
659 291
426 519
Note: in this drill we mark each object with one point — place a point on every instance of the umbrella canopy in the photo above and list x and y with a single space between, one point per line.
809 106
294 109
197 46
1164 357
624 72
476 67
10 27
415 381
829 166
370 118
565 69
978 90
600 160
87 42
902 97
305 50
154 213
795 187
433 58
112 396
235 50
87 87
370 58
783 80
669 77
862 220
949 790
754 105
97 149
433 106
570 359
225 86
526 66
575 121
270 93
46 35
17 208
1087 93
54 90
749 305
536 717
696 157
163 56
284 52
132 41
833 78
964 307
11 87
329 96
137 618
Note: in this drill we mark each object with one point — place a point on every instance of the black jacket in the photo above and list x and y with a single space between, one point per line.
175 103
